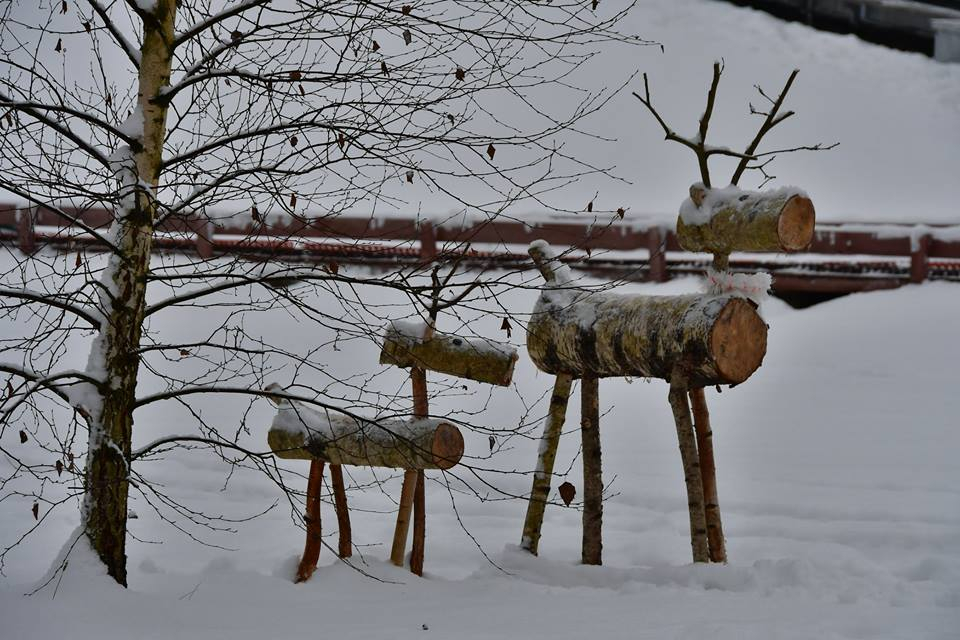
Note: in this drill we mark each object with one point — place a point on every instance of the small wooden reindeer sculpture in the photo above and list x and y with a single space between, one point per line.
414 445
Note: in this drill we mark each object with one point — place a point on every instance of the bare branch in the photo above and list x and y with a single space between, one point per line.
769 123
51 300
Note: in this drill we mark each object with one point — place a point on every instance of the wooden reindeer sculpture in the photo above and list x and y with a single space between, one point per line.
337 438
690 341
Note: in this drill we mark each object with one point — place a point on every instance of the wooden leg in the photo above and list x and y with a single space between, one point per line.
421 409
345 547
592 477
403 517
708 473
691 468
553 425
419 525
311 550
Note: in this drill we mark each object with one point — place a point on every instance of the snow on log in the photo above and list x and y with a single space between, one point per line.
729 219
716 339
472 358
299 432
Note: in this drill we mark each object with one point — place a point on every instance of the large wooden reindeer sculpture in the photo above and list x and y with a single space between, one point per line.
691 341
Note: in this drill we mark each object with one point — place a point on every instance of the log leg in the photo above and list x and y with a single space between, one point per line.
553 425
345 547
403 517
708 474
311 550
691 468
419 525
592 477
421 409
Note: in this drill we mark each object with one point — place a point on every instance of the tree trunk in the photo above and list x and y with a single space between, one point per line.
592 475
301 433
311 550
345 546
718 339
691 468
780 220
113 355
547 455
708 474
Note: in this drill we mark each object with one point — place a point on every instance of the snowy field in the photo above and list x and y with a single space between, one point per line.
837 475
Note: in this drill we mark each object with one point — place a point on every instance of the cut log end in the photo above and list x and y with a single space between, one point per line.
447 446
795 224
738 341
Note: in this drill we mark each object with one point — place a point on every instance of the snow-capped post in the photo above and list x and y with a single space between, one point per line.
690 341
420 347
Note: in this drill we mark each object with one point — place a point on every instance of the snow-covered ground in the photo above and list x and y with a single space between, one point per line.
836 460
837 475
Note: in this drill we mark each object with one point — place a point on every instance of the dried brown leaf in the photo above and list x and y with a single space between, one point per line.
567 493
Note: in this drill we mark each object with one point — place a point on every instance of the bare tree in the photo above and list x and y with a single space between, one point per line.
170 113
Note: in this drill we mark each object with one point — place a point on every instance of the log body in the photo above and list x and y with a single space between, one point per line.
471 358
299 432
726 220
716 339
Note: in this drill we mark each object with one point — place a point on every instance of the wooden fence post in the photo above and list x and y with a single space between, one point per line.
657 247
26 235
918 259
428 241
204 241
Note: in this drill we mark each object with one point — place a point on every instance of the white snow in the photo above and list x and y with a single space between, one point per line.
836 461
753 286
836 474
412 331
297 418
562 277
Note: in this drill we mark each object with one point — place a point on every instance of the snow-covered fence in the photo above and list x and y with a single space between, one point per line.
928 251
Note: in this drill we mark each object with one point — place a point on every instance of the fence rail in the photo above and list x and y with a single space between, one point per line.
843 258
